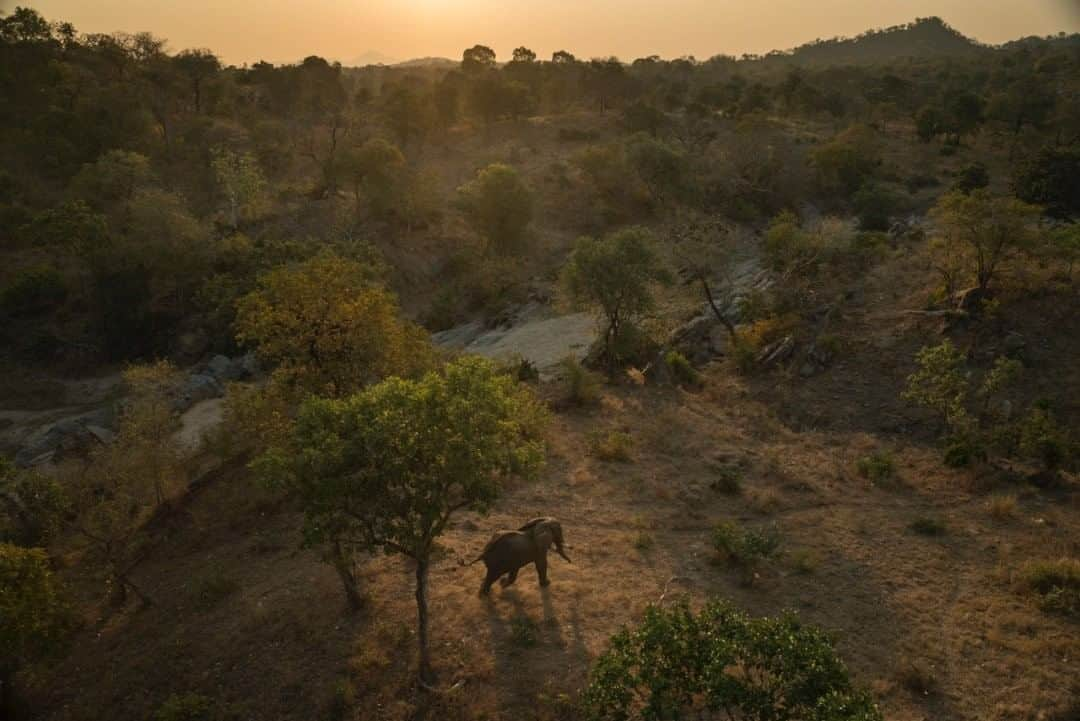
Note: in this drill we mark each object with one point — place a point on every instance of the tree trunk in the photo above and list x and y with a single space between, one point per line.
347 573
7 690
728 325
427 676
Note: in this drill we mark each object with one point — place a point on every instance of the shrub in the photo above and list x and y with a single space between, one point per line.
581 387
971 177
32 506
194 707
721 662
877 467
499 206
33 293
928 526
615 275
1057 583
805 562
746 548
1042 438
728 480
875 204
684 373
611 446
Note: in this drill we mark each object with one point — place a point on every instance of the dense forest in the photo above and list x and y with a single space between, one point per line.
827 308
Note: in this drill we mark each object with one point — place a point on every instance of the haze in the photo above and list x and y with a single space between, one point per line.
356 31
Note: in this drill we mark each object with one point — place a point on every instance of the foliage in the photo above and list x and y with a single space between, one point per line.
240 182
34 614
32 506
386 468
32 293
877 467
499 206
875 205
1056 582
684 373
843 164
194 707
615 275
1041 437
611 446
746 548
1051 178
980 234
328 328
727 480
971 177
581 387
661 167
680 665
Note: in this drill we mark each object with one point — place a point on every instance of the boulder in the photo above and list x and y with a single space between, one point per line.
225 369
197 387
777 352
74 434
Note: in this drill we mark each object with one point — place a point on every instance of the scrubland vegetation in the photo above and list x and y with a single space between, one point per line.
819 462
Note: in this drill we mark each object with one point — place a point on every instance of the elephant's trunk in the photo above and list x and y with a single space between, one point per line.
559 547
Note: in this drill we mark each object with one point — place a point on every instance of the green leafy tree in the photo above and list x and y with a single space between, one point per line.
32 506
721 662
34 616
661 167
477 59
499 206
981 233
375 170
197 66
240 182
386 469
329 328
615 274
1051 178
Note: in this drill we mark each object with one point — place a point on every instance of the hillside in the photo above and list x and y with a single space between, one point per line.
923 38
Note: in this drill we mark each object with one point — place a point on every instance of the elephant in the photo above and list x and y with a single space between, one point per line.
508 551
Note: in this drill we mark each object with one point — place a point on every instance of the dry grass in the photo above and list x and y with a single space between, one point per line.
1002 508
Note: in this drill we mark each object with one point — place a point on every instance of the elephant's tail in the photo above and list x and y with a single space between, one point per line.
469 563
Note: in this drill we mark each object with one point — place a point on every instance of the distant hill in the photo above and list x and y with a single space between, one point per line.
428 62
926 37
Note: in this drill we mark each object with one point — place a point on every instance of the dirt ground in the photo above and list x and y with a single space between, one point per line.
243 615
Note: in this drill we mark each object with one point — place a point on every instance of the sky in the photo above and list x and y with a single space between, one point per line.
243 31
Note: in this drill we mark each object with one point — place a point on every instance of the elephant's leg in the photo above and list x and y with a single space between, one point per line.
509 578
541 569
492 575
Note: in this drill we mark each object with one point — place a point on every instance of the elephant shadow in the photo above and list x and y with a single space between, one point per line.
536 649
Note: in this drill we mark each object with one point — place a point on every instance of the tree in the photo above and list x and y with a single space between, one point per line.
980 233
197 66
704 251
329 329
524 55
844 163
375 170
477 59
680 665
1051 178
34 616
385 469
123 484
499 206
240 182
32 506
659 166
615 274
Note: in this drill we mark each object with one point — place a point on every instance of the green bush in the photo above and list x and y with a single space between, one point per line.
728 480
722 663
581 387
33 293
611 446
1057 583
877 467
746 548
684 373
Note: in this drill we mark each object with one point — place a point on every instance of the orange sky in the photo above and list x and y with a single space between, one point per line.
287 30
